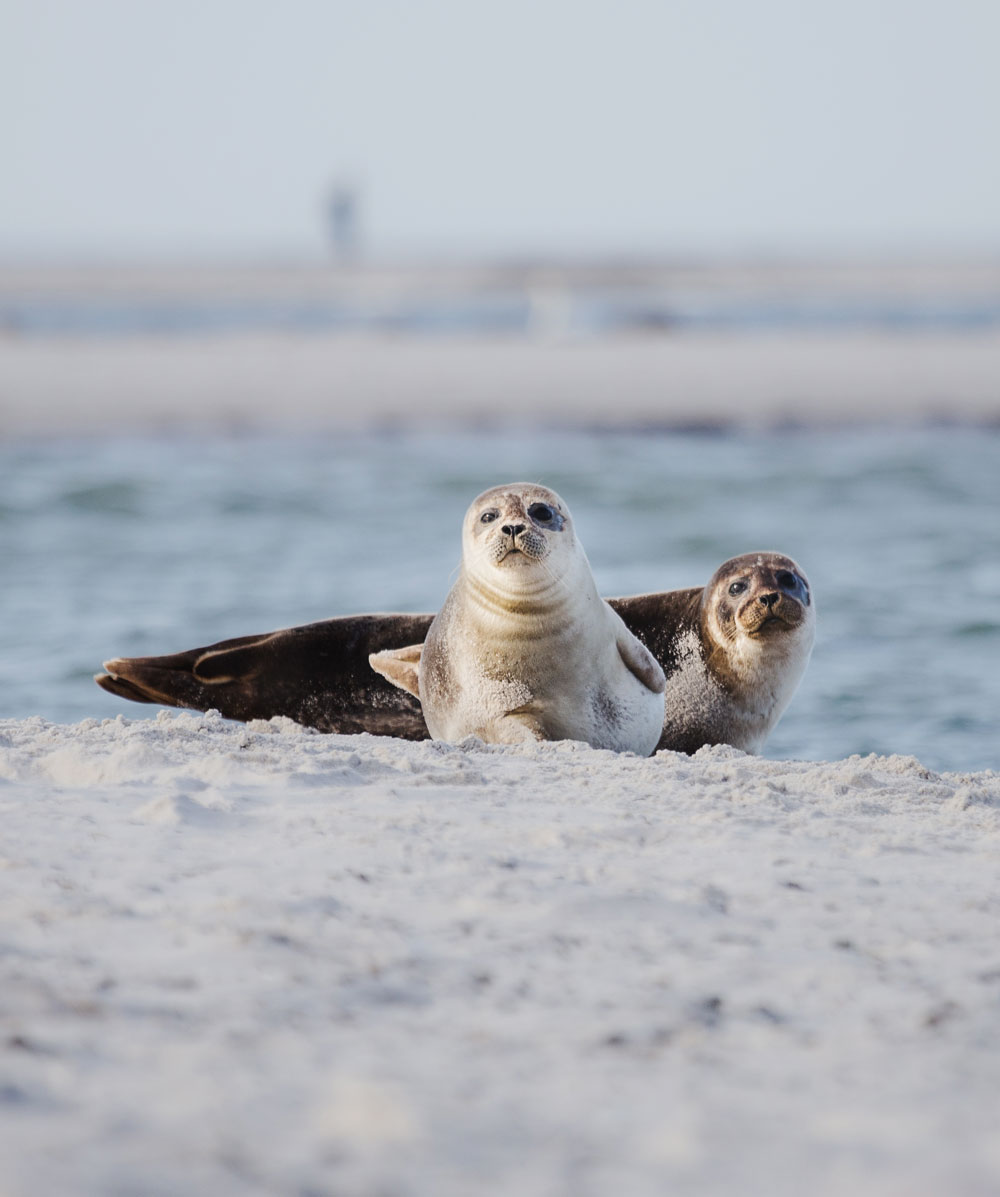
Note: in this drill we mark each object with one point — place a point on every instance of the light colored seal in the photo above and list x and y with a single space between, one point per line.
524 647
734 651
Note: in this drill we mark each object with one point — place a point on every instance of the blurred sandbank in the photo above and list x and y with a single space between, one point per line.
604 343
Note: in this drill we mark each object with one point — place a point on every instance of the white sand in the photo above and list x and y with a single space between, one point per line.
53 384
256 959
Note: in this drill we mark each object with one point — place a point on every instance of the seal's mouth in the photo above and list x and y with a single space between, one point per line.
771 623
524 548
514 555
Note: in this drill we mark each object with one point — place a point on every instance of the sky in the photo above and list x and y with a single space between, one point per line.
150 129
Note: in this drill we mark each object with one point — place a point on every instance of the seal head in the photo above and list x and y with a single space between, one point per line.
741 660
751 601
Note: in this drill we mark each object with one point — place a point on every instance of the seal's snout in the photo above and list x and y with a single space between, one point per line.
512 529
771 610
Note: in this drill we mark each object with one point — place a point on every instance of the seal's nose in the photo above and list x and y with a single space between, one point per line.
768 599
512 529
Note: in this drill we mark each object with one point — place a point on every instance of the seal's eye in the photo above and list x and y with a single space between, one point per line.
737 588
541 513
787 579
488 517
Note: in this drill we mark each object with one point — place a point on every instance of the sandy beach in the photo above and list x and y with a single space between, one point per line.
257 959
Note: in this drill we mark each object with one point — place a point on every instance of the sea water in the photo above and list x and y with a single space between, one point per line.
146 545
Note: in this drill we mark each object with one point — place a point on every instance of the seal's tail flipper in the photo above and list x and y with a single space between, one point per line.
401 666
198 678
121 687
317 674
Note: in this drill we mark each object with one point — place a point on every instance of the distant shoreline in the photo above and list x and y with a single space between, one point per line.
590 343
61 385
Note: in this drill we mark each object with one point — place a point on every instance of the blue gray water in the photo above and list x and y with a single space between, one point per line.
141 546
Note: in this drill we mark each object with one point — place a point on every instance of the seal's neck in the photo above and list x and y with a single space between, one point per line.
529 588
764 675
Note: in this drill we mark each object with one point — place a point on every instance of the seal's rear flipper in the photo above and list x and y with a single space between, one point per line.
401 666
122 688
317 674
172 681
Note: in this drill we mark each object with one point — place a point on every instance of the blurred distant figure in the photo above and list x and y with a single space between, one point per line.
342 219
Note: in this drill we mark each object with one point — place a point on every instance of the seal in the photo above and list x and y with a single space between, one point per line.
734 652
318 674
524 647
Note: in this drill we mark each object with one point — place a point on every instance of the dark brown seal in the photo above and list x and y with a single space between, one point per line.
734 651
732 662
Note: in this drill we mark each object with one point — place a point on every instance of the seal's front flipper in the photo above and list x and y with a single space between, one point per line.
519 727
640 661
401 666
